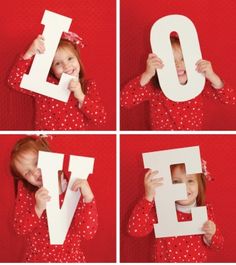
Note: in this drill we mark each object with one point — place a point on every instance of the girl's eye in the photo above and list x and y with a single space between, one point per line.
57 64
190 181
70 58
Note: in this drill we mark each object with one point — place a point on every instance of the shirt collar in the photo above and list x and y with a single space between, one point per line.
185 208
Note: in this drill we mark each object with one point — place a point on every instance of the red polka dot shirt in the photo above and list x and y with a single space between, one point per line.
172 249
166 114
52 114
35 230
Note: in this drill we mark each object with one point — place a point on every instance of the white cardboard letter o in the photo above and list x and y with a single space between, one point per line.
160 43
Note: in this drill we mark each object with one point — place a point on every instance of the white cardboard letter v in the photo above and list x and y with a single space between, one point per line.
59 220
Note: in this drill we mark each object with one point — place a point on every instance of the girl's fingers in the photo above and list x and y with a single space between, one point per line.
147 174
74 188
45 198
198 62
158 66
77 184
41 37
150 174
157 182
153 56
203 64
153 174
155 60
201 61
202 68
41 190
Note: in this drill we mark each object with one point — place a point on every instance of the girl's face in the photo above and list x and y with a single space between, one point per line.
66 62
26 165
179 176
179 64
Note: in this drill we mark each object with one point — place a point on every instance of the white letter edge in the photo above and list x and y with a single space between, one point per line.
168 193
36 80
161 45
59 220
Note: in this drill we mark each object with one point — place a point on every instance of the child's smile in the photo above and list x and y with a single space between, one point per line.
179 64
26 165
66 62
179 176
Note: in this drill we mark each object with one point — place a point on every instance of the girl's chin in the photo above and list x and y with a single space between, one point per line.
39 185
183 79
185 203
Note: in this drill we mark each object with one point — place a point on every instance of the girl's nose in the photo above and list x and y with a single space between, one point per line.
177 64
66 65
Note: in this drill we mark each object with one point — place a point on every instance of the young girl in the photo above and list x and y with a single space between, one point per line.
164 113
84 106
177 248
30 218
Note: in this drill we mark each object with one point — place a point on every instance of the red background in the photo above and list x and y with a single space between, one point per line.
215 23
102 248
218 150
94 21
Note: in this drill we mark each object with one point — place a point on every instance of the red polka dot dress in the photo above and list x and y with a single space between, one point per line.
52 114
172 249
35 230
166 114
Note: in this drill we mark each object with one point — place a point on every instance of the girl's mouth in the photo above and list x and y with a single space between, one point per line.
70 72
39 179
181 72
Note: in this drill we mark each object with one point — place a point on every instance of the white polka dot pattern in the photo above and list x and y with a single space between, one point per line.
172 249
38 249
51 114
169 115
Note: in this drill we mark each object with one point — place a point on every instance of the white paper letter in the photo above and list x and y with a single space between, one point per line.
168 193
36 80
59 220
161 45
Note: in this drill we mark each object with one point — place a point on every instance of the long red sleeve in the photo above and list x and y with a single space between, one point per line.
52 114
25 219
133 93
92 106
172 249
38 248
86 219
225 95
166 114
142 219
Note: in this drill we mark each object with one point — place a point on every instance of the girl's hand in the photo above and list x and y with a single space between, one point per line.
204 67
151 184
36 46
210 229
153 63
75 87
41 197
85 189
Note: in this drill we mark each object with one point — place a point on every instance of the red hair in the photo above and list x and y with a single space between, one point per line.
22 146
